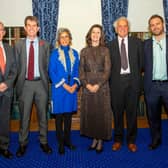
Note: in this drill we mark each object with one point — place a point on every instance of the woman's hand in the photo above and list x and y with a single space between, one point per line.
67 87
74 87
96 88
70 89
92 88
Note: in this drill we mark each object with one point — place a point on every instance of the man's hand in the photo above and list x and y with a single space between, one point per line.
3 87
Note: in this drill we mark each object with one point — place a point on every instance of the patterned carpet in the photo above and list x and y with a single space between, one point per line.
81 158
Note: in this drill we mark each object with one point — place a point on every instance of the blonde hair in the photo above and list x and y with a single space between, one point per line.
59 32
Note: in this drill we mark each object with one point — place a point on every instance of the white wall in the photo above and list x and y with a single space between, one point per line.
79 15
13 12
139 11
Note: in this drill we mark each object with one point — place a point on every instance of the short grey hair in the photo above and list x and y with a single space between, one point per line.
120 18
60 31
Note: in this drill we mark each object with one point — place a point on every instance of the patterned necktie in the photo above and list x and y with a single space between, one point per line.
2 61
124 63
31 62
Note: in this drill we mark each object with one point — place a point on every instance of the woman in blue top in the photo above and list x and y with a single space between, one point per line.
63 72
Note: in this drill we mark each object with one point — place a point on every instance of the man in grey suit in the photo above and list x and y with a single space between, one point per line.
126 63
8 74
32 56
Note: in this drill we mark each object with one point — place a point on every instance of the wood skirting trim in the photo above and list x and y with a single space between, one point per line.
142 123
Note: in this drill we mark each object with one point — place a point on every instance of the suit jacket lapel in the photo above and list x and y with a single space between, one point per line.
130 52
118 53
24 56
40 56
150 50
7 59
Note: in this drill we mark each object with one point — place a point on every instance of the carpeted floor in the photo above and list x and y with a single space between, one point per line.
81 158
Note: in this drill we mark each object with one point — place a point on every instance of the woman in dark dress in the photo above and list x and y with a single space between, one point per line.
95 65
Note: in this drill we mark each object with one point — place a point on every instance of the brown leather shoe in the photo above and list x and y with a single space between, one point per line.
116 146
132 147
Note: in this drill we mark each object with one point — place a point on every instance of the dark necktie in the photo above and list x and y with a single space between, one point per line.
124 63
2 61
31 62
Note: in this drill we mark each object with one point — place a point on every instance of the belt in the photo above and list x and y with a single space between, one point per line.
35 79
160 81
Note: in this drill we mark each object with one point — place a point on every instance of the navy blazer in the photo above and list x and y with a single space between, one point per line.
148 63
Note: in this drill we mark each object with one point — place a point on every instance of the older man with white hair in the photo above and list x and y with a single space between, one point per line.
126 59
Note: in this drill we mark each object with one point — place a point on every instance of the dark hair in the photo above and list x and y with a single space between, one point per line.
88 36
156 16
32 18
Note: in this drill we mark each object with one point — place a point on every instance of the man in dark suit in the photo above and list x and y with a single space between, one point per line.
156 76
126 58
32 56
8 74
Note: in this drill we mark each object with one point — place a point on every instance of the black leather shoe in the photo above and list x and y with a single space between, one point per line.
153 146
6 153
45 148
21 151
61 149
70 146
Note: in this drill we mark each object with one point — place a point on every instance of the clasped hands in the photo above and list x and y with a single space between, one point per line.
3 87
70 89
92 88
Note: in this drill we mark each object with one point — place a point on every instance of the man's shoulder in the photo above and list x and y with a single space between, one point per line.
43 42
20 42
6 45
147 41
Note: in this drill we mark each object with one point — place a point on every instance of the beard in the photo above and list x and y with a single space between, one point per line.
157 32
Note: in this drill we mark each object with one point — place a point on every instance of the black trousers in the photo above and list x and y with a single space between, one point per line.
63 128
126 100
5 107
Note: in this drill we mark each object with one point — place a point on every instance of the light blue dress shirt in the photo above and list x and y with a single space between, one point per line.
159 59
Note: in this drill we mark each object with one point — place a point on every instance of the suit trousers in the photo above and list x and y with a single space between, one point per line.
63 128
157 94
126 100
33 92
5 107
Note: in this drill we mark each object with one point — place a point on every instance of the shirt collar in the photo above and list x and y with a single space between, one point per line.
29 40
120 38
154 39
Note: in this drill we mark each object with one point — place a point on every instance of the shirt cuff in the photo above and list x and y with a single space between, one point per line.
60 83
